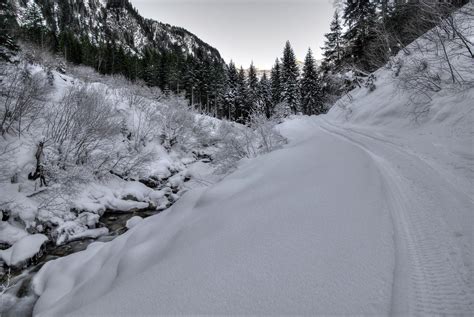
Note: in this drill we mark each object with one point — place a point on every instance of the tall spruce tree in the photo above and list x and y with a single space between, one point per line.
7 24
265 96
290 79
230 94
252 94
33 24
276 82
333 49
360 17
242 105
311 92
218 88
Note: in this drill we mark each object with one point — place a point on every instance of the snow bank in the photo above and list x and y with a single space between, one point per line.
250 244
10 234
23 249
15 200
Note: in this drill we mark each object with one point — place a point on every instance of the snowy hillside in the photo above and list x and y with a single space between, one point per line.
102 21
367 210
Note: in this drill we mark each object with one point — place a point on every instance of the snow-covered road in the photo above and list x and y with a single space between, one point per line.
340 221
431 212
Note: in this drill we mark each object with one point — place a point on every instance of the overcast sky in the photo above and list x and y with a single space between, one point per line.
248 30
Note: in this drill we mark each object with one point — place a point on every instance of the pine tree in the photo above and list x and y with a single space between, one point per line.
230 94
242 104
360 17
333 49
33 23
311 92
252 95
218 80
71 49
265 96
7 25
276 82
289 79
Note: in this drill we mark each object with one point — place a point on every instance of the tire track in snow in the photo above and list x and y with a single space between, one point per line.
431 276
447 177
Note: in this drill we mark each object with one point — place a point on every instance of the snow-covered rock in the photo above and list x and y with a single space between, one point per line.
23 249
9 234
133 222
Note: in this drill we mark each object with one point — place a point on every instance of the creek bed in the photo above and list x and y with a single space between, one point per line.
20 279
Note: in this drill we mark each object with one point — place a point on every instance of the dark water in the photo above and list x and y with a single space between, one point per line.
20 279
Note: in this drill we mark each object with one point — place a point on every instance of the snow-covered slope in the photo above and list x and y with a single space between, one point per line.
367 210
116 21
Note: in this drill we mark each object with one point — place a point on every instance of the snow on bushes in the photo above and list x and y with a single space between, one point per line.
238 141
77 147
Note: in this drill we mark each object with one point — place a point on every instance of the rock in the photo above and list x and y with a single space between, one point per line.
23 250
132 222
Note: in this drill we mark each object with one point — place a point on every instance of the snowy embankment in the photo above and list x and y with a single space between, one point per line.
345 219
367 210
127 162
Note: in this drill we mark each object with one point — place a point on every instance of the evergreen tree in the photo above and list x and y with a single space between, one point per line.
311 92
276 82
333 49
265 96
7 25
218 79
71 48
242 105
360 17
230 94
33 24
191 80
252 96
164 71
289 79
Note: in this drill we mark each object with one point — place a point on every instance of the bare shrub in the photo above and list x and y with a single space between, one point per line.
447 45
239 141
80 124
21 99
268 137
8 149
141 125
441 58
176 122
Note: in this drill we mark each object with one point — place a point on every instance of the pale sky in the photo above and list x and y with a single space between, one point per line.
248 30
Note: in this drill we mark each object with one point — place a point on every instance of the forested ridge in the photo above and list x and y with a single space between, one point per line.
114 38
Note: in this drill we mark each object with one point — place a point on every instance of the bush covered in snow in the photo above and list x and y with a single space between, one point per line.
73 147
238 141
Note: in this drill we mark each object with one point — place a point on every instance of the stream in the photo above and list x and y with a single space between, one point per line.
19 285
17 298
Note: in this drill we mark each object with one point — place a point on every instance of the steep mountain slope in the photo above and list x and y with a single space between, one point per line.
115 21
367 210
113 38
